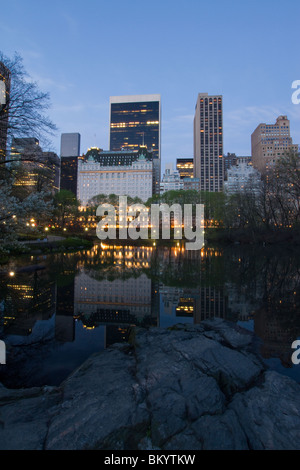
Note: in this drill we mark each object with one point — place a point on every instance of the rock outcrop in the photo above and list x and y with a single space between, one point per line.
191 387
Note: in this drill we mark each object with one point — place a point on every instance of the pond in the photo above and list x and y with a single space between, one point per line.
57 310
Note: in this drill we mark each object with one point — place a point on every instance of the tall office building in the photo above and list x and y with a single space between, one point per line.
135 121
70 145
69 153
269 142
35 170
208 142
4 103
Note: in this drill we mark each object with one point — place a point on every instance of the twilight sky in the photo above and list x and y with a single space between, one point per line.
84 51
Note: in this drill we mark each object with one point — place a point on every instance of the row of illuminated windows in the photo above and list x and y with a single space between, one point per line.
124 124
142 181
112 175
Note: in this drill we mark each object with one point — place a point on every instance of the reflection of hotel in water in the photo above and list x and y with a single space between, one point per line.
119 301
113 288
122 301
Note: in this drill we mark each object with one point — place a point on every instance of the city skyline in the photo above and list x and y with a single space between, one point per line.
166 48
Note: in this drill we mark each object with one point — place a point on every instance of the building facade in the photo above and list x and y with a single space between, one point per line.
69 153
122 173
191 184
4 107
270 142
231 159
185 167
35 170
171 180
52 163
208 142
242 177
135 121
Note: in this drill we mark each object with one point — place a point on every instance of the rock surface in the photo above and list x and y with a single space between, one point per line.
191 387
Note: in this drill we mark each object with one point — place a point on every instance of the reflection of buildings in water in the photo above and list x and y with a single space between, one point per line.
30 298
277 321
119 301
210 303
169 297
64 318
116 334
198 303
123 256
242 301
277 331
185 307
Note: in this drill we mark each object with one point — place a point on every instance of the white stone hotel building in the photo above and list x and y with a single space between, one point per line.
122 173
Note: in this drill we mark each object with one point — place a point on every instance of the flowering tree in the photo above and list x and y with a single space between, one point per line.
22 115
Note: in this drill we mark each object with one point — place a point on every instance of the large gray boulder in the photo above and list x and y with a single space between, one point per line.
190 387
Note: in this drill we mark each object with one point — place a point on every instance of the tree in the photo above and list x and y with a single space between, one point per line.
23 114
9 210
66 206
112 199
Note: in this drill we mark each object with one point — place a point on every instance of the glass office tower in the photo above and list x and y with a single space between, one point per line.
135 122
69 152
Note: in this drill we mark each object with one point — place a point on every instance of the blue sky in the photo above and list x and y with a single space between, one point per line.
82 52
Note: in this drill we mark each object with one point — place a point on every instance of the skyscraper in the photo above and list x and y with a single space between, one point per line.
69 153
70 145
208 142
134 121
4 104
269 142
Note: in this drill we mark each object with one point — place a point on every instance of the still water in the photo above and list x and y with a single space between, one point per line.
57 310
